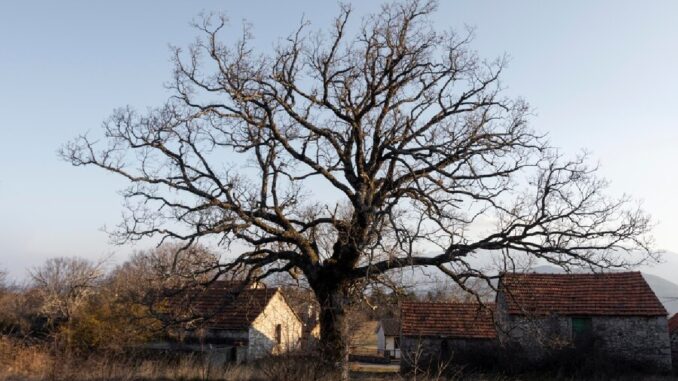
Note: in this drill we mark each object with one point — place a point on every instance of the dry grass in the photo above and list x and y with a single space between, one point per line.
20 361
363 338
375 368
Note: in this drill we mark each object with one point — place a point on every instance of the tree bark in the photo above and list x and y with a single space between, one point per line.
331 295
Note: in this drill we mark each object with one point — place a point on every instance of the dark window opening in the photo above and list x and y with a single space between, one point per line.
445 350
582 331
278 333
396 342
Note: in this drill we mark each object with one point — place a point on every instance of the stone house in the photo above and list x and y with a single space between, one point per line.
388 337
435 334
673 334
612 316
235 323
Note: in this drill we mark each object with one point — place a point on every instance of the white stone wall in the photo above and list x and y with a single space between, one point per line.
262 332
381 342
390 346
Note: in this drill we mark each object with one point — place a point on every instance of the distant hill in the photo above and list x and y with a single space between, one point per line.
666 291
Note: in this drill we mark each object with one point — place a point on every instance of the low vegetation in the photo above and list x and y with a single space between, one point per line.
23 361
76 321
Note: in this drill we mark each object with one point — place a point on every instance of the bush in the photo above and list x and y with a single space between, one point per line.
19 360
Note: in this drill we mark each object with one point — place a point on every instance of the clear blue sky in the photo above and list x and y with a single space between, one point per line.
600 75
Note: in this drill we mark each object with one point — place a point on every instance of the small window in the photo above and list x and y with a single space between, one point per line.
396 342
582 330
278 333
445 352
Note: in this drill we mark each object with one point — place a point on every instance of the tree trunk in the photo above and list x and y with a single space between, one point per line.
330 284
333 324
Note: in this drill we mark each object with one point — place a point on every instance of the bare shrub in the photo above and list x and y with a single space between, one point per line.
66 283
18 360
294 367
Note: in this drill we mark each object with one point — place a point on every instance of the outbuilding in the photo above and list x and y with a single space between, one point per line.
235 323
611 317
388 337
437 334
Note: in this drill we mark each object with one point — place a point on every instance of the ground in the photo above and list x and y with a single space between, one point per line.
361 367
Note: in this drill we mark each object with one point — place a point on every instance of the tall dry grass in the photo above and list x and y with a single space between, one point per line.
21 361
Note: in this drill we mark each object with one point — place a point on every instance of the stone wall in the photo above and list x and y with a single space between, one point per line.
262 334
674 349
424 353
636 340
642 339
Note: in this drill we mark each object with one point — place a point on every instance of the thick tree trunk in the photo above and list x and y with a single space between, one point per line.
332 324
330 284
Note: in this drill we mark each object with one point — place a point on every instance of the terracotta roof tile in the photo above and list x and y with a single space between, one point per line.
391 327
225 305
458 320
611 294
673 323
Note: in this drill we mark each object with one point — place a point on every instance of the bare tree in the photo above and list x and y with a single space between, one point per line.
389 147
160 268
65 284
151 277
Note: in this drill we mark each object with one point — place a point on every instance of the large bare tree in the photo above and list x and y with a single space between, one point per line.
339 156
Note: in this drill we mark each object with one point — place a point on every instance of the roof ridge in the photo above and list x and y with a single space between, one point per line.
446 303
532 273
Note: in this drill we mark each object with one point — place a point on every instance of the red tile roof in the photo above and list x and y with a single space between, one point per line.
455 320
673 324
611 294
391 327
224 305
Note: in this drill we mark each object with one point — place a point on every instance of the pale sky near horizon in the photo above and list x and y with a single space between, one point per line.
600 76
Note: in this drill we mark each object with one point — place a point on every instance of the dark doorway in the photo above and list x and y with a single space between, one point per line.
582 332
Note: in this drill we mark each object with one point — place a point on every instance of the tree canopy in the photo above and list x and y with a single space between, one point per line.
368 147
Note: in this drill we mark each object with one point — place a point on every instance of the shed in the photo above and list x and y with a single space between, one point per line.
433 334
612 316
235 323
388 337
